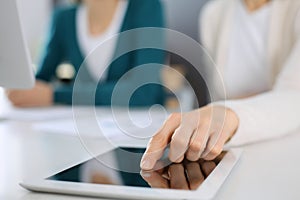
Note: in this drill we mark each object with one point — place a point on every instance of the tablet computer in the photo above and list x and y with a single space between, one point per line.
117 174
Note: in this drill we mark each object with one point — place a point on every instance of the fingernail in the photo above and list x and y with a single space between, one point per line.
146 164
146 174
166 176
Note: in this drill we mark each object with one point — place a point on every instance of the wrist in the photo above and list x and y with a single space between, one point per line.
234 122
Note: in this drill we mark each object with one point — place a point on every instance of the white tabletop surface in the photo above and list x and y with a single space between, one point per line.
268 170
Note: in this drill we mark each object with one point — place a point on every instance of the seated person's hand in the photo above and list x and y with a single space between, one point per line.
100 178
201 133
185 176
40 95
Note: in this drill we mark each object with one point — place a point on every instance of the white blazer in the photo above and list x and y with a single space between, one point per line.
276 112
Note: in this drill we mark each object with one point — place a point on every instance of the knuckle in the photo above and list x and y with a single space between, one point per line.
157 137
215 151
177 142
157 140
174 117
196 148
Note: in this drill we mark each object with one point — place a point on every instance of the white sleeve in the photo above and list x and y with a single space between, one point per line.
209 23
272 114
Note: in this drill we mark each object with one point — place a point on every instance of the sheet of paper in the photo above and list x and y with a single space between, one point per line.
38 114
67 127
139 126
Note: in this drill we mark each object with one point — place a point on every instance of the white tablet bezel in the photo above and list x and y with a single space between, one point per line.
207 190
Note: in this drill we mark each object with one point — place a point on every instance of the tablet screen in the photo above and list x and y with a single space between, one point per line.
121 166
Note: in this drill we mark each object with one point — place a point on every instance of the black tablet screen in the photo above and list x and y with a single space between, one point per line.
121 166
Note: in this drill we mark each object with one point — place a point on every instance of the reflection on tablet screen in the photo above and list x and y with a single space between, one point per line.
122 167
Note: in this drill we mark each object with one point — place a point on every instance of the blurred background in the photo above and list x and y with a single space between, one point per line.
182 16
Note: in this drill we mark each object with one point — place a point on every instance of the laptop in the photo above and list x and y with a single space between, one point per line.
16 70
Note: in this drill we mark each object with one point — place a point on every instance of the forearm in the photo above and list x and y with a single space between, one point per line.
275 113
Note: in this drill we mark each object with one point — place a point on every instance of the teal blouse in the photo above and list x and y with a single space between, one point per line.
63 47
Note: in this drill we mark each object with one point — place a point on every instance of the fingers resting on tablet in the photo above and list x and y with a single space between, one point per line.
200 133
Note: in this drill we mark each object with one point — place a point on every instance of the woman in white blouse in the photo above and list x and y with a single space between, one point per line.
256 47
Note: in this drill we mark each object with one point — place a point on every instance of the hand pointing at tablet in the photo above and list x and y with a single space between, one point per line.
201 133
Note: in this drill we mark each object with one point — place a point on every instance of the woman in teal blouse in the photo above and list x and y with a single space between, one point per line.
63 46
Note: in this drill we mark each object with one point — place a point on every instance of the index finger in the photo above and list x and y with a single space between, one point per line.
159 142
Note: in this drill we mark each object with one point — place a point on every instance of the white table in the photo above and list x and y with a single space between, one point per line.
269 170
